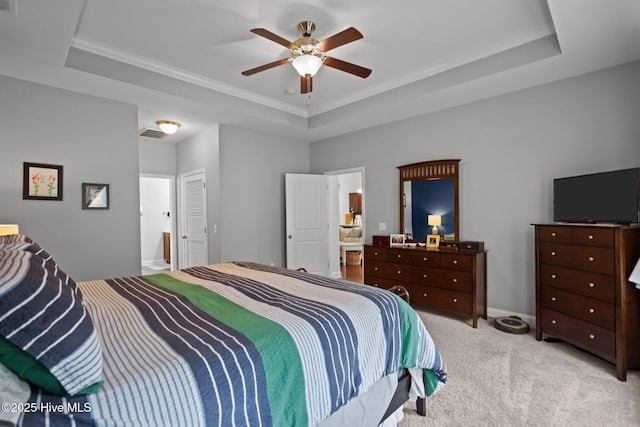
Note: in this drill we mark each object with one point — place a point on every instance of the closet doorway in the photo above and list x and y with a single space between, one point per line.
157 223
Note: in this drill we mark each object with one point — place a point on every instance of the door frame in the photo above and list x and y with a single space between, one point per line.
173 206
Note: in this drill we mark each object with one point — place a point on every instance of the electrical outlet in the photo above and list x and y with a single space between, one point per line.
382 226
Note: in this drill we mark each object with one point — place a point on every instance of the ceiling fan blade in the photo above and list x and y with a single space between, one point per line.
265 67
306 84
343 37
273 37
348 67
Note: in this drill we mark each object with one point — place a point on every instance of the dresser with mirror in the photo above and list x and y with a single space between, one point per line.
450 277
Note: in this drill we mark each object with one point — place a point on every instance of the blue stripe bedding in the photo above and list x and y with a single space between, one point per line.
238 344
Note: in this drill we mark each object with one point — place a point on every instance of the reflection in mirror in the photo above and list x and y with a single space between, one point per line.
429 188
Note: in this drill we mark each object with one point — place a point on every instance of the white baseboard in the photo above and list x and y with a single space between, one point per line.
496 312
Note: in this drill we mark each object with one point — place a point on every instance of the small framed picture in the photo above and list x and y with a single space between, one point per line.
397 239
433 240
95 196
41 181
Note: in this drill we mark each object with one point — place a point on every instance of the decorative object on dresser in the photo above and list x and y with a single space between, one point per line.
454 282
583 296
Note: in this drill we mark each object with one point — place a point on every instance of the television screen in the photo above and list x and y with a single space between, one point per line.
607 197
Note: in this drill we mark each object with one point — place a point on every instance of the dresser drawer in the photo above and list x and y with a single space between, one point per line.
596 259
593 236
592 285
592 310
381 282
400 256
371 252
554 234
456 261
447 279
426 258
388 270
590 337
441 299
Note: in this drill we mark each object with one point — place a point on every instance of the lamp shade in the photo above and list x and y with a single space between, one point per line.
6 229
168 127
307 64
434 220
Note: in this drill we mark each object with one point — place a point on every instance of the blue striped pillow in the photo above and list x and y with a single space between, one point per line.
47 261
44 318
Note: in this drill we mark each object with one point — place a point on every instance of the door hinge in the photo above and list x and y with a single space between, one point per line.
204 184
205 230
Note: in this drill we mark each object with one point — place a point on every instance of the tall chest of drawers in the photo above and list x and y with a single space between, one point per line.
582 293
454 282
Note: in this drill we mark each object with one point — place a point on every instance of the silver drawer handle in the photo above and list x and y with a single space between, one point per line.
455 261
591 258
590 237
591 310
554 321
399 271
375 253
553 253
553 234
375 268
424 295
425 276
455 280
592 337
591 285
455 300
425 259
399 256
553 276
553 298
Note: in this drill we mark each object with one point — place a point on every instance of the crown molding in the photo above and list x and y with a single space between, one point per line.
182 75
443 66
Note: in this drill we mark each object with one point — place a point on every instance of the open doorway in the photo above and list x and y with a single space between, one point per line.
350 222
157 221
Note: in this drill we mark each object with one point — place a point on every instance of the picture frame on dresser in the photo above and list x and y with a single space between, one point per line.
396 239
433 240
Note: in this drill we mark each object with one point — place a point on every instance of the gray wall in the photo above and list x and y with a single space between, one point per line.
202 151
511 148
252 168
95 140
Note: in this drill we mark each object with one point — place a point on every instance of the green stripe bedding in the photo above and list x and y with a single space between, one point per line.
239 344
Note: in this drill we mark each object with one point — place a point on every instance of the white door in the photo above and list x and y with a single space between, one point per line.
194 243
307 225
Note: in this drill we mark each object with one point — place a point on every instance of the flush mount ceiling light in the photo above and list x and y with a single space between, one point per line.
168 127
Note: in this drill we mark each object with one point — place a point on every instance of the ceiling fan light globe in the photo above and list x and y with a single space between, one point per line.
307 65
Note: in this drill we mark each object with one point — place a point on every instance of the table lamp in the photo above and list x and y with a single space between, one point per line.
435 221
6 229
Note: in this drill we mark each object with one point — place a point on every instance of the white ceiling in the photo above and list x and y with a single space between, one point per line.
181 60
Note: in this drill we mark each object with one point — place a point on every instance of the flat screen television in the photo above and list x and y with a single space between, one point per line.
607 197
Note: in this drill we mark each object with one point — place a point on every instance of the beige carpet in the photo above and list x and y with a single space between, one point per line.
501 379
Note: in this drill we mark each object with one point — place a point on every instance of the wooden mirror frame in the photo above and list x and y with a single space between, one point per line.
431 170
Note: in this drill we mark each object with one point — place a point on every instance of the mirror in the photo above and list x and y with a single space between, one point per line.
429 188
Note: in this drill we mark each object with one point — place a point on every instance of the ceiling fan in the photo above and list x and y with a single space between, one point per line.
308 54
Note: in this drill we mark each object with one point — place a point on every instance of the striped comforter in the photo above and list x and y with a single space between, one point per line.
247 345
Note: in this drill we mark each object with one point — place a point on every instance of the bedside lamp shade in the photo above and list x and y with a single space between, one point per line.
6 229
435 221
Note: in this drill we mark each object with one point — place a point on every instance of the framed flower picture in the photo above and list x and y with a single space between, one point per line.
41 181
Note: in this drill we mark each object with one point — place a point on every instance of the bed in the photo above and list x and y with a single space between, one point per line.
234 343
